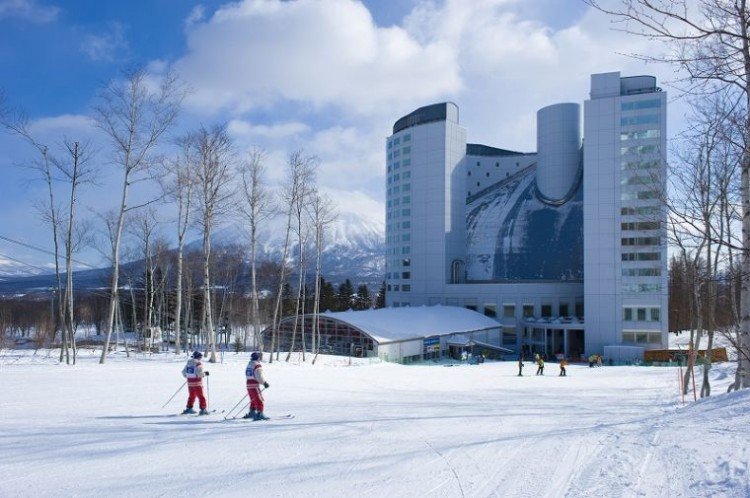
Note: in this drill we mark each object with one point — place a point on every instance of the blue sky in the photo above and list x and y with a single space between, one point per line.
329 76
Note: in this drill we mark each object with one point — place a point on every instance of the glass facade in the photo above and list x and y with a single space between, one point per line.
336 337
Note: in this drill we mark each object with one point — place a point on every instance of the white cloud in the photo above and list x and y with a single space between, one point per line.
106 47
256 53
248 131
28 10
196 15
71 125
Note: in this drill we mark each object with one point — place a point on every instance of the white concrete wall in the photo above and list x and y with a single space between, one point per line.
558 149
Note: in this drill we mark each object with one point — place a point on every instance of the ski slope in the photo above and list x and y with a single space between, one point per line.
368 430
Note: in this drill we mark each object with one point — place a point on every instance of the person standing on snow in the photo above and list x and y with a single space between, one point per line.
520 365
194 374
540 365
254 375
563 364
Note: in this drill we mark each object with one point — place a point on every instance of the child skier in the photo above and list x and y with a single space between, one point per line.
254 374
194 374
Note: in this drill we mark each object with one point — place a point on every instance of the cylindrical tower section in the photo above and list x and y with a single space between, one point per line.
558 141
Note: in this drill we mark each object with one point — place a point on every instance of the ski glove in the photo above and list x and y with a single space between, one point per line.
265 384
208 373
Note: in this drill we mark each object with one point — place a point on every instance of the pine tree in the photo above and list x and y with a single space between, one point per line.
344 296
380 299
364 301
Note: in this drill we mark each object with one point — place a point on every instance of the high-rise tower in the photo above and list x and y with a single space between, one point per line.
625 247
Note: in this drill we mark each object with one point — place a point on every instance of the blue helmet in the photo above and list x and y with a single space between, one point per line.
197 355
255 356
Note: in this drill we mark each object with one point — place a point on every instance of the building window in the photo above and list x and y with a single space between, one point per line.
406 224
509 336
579 309
490 310
469 173
640 104
406 150
472 307
406 288
634 149
509 311
528 310
639 134
406 262
407 174
546 310
641 256
639 120
407 137
406 275
487 174
406 212
563 309
477 163
406 187
406 162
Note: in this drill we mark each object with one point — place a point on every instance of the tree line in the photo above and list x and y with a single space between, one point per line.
196 296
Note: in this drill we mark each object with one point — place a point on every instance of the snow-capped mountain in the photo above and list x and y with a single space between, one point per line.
13 269
354 246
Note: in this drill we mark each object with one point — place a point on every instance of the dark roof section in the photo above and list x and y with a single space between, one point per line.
426 114
487 151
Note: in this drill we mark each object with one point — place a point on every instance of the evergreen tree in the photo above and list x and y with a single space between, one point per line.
327 296
380 299
344 296
363 301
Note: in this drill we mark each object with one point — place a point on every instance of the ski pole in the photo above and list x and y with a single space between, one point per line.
208 390
235 406
175 394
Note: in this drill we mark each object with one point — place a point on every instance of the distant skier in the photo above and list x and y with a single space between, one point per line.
194 374
520 365
598 360
540 365
563 365
255 379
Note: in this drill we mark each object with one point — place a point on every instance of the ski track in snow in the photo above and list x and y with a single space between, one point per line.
369 430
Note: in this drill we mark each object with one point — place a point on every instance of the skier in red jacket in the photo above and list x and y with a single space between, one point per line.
255 379
194 374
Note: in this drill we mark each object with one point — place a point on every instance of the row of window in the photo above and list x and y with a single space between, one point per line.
398 176
636 165
406 162
641 288
641 337
640 225
641 314
640 210
641 272
639 120
641 256
395 250
398 152
642 195
527 311
639 180
397 140
403 275
396 189
640 104
640 241
399 288
639 134
641 149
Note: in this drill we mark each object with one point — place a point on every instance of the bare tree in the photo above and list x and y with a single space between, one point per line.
75 166
212 156
256 209
135 116
177 184
323 214
709 42
303 175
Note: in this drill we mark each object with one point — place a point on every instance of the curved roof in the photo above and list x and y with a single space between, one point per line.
402 324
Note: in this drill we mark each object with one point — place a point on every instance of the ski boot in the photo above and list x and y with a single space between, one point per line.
203 412
251 415
260 416
188 411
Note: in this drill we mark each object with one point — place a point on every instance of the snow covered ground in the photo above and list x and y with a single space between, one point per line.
371 429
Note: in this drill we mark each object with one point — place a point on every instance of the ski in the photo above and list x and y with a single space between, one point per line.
288 416
210 412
